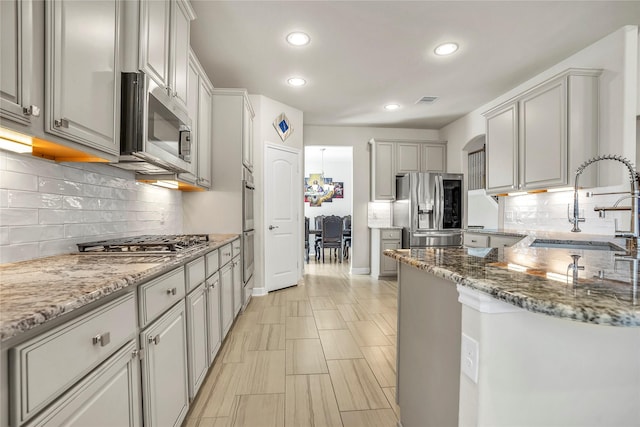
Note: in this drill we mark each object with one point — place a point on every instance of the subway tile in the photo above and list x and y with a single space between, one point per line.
35 233
57 247
15 253
35 166
18 181
4 236
97 191
4 198
75 174
73 230
59 216
59 186
9 217
31 199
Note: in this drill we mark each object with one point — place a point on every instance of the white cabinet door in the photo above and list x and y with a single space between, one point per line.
226 297
155 35
214 328
502 149
383 179
205 102
407 157
543 137
109 396
198 351
433 158
164 369
237 285
180 25
16 44
82 88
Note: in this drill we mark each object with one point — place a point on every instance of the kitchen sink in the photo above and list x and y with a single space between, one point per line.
572 244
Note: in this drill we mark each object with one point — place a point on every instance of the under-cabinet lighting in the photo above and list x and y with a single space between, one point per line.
557 277
518 193
15 142
172 185
517 267
557 190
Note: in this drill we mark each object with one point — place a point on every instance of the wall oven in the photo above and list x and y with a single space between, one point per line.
155 132
247 200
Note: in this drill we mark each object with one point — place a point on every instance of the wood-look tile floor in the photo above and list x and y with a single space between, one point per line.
322 353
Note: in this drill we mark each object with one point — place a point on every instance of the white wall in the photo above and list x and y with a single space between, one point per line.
47 207
358 137
266 110
616 55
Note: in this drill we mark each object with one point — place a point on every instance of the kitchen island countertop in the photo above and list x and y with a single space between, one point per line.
35 292
539 279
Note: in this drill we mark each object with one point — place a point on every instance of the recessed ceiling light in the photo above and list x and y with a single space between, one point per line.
298 38
446 49
391 107
297 81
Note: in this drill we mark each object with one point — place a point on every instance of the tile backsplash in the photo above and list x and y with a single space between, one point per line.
548 211
47 207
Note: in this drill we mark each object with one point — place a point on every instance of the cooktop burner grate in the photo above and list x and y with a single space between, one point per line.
145 244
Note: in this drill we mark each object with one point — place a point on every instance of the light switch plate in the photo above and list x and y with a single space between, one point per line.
469 350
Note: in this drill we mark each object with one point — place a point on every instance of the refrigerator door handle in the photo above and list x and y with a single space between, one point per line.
441 183
436 210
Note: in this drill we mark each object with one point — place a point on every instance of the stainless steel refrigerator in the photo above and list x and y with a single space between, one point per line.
428 207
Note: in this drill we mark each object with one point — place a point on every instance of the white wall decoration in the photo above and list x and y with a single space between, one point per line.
283 126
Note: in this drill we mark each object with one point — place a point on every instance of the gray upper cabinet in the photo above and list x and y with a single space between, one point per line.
16 42
502 154
205 117
537 140
433 157
407 157
383 181
83 72
164 44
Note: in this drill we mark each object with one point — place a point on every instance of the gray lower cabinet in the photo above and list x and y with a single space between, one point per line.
214 327
164 369
381 240
226 297
237 285
109 396
197 321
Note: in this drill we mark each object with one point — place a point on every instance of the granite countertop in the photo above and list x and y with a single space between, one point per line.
37 291
538 279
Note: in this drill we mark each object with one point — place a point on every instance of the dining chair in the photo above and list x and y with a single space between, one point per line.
346 237
318 227
331 235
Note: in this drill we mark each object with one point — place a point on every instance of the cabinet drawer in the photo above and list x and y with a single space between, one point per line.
504 241
476 241
226 253
390 234
159 294
46 366
235 247
212 262
195 273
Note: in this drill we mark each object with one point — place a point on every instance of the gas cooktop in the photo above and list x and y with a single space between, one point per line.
144 245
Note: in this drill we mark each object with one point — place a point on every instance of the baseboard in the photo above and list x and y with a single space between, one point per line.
259 292
360 270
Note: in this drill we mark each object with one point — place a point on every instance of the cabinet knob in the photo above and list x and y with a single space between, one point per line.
61 123
102 339
154 340
172 291
31 110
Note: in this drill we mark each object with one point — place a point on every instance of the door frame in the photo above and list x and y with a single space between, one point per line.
299 211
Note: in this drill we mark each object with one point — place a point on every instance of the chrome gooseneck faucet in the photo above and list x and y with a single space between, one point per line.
634 229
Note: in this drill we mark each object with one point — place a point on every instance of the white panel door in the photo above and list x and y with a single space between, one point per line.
282 197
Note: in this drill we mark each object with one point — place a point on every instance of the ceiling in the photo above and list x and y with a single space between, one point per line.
364 55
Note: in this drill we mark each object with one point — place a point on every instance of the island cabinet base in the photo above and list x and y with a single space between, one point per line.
539 370
428 349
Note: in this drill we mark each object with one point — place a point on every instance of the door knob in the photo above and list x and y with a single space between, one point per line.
271 227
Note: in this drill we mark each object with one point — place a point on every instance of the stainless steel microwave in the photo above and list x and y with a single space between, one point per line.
155 132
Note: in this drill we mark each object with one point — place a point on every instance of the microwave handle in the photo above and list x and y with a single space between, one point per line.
184 146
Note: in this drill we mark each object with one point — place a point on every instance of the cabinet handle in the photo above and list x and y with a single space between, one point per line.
154 340
172 291
473 241
31 110
102 339
61 123
227 254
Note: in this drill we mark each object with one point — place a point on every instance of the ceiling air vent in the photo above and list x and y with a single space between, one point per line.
427 100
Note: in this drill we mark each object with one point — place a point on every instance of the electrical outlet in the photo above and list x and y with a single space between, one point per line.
470 350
